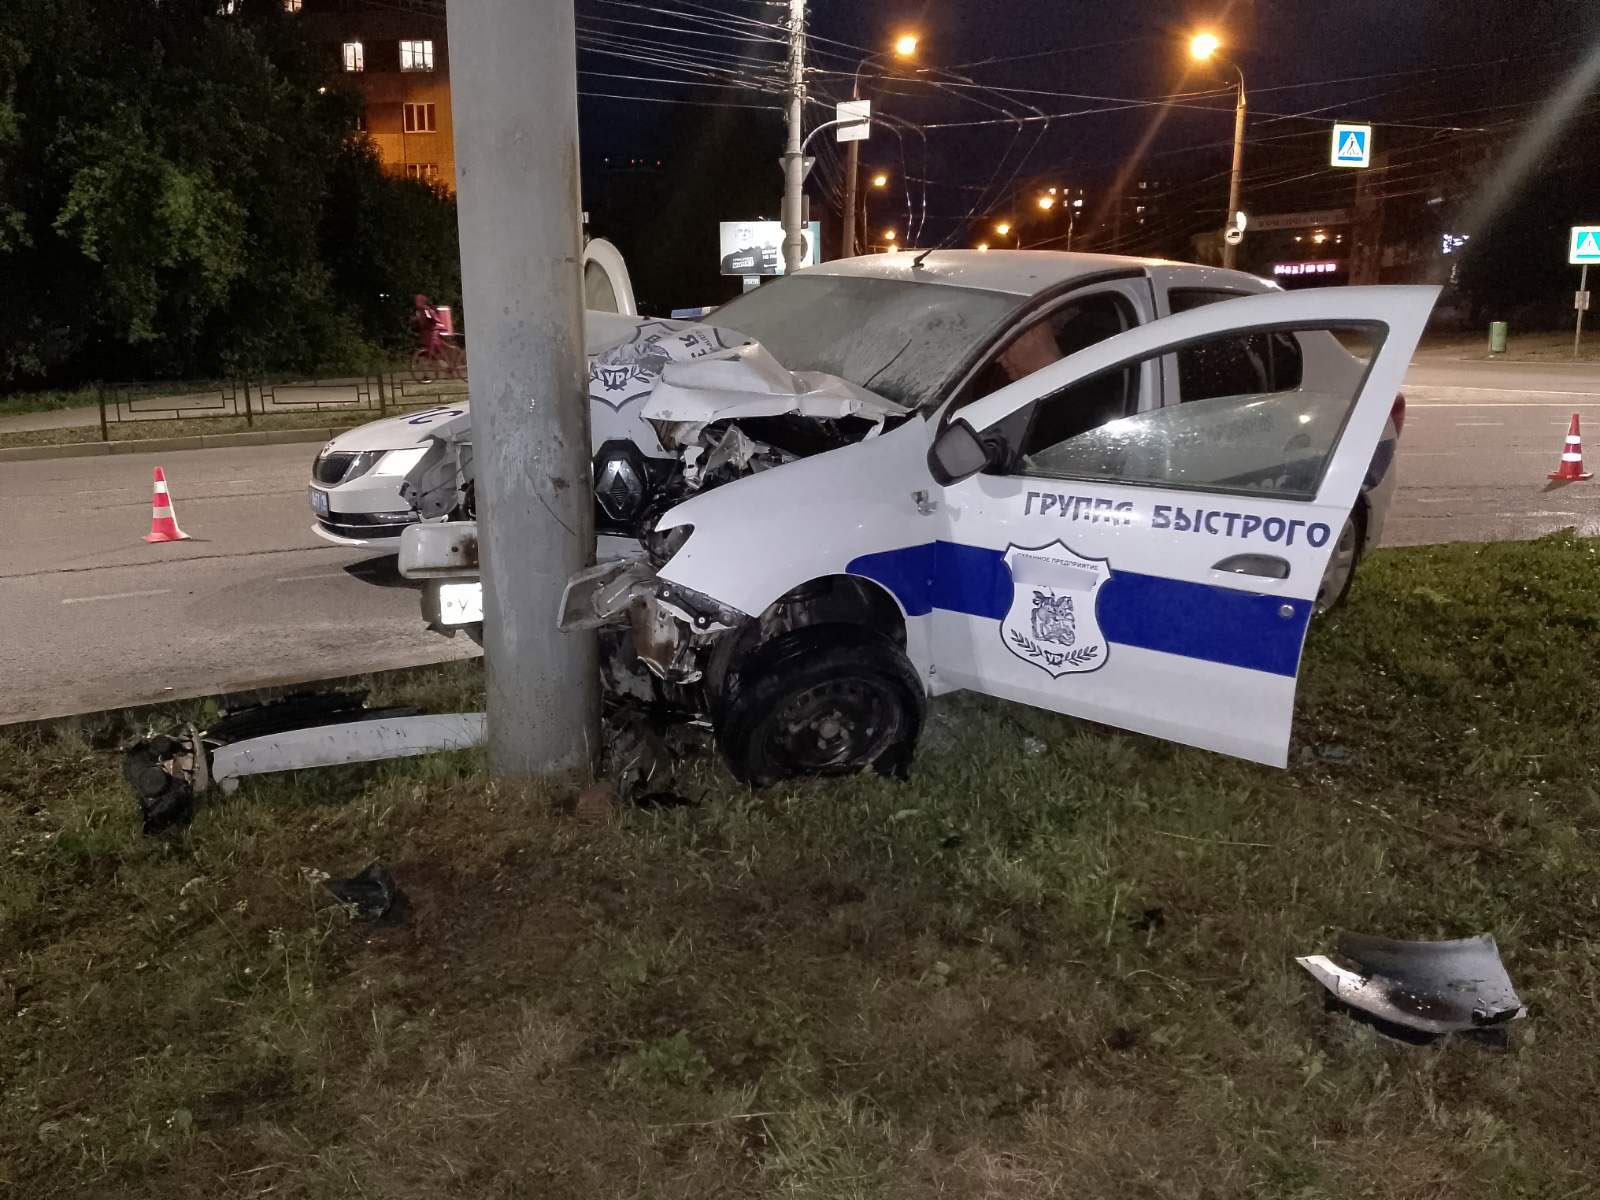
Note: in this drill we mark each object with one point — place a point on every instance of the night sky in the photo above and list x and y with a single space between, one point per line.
1453 66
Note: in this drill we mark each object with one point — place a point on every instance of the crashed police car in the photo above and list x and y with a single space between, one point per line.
1075 481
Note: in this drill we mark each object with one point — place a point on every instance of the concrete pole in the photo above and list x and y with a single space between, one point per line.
1229 250
794 249
516 130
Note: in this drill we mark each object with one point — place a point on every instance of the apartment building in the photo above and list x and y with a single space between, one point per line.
396 54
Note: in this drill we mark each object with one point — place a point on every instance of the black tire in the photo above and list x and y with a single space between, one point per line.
1336 583
825 700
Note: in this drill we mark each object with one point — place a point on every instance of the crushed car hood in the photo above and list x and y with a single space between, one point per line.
682 372
748 382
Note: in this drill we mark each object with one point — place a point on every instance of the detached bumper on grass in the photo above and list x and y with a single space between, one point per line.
1421 989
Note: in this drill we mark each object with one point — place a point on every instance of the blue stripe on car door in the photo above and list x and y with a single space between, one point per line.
1196 620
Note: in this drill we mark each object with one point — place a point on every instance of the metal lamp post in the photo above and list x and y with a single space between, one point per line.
905 46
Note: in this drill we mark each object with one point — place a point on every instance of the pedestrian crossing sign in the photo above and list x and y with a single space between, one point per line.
1584 248
1352 145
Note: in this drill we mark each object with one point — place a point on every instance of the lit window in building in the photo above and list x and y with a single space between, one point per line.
354 58
426 171
291 6
225 8
416 56
420 118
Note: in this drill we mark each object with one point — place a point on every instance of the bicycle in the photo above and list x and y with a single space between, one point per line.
442 358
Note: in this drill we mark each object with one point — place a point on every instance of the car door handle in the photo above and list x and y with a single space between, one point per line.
1268 566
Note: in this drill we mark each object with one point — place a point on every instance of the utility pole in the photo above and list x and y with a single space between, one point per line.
516 132
1230 252
794 175
852 171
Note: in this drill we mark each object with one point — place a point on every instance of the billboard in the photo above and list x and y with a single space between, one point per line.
756 247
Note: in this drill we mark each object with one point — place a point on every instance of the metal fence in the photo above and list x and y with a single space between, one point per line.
258 400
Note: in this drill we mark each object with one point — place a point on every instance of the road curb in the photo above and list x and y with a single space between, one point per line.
208 441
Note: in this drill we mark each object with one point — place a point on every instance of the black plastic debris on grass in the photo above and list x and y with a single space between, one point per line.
166 796
1418 992
373 894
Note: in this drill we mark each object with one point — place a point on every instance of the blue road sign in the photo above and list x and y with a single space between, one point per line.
1352 145
1584 248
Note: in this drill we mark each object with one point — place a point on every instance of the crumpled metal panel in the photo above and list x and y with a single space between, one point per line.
1429 987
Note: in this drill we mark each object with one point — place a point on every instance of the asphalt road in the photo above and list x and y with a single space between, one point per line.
95 618
1480 437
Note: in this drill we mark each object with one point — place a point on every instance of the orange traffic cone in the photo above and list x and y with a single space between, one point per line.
1572 456
163 523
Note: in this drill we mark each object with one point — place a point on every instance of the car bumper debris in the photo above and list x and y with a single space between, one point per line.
167 772
1420 990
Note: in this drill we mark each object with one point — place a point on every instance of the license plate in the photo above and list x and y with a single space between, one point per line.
319 502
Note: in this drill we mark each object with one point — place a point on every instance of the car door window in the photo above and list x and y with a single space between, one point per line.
1062 331
1254 363
1250 430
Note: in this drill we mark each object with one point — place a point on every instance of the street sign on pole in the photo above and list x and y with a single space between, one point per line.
1584 247
1352 145
855 118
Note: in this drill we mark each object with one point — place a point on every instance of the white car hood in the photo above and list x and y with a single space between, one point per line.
400 432
749 382
644 369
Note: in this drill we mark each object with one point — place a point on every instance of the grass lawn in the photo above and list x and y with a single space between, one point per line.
1058 962
48 401
1520 347
128 431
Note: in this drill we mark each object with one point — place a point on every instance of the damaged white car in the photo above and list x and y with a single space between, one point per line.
1069 480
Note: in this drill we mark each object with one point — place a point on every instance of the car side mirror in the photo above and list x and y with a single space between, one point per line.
958 453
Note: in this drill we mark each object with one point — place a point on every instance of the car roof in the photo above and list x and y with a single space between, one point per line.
1018 272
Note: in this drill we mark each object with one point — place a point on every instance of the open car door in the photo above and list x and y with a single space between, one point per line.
1158 572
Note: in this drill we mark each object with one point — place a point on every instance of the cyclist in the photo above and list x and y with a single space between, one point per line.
426 324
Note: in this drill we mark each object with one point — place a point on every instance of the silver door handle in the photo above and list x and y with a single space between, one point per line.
1268 566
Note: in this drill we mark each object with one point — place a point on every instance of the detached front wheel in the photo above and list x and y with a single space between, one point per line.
825 700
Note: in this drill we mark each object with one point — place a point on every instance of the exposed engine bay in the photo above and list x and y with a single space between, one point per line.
677 409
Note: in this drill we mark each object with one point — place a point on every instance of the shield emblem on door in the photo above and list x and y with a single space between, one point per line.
1053 621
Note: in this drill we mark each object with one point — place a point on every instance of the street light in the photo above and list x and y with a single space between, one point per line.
880 180
905 46
1203 47
1047 202
888 235
983 245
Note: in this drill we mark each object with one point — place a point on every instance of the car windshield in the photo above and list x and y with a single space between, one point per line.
901 340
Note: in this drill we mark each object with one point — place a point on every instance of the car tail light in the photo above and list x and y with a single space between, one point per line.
1397 414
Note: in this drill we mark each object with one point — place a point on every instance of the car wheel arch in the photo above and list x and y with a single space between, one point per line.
837 599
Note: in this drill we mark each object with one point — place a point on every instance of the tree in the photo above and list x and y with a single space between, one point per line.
169 177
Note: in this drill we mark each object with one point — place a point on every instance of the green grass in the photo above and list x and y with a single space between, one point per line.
1058 962
47 401
1526 346
129 431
